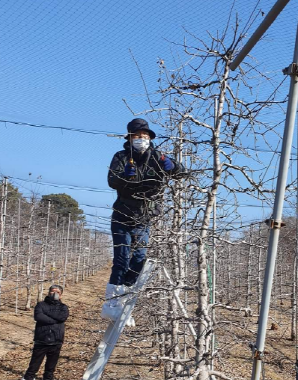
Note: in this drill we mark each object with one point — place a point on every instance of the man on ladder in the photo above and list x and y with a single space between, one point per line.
138 174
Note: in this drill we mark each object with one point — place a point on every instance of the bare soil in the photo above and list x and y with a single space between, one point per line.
135 356
84 330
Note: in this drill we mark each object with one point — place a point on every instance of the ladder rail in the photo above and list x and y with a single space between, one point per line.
115 328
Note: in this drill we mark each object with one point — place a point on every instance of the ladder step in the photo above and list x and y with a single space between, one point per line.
115 328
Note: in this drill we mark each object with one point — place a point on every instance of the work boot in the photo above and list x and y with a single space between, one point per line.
131 322
115 301
116 298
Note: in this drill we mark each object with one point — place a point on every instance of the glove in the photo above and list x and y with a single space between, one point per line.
166 163
129 170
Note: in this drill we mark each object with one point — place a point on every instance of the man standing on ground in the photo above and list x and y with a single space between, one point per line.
50 316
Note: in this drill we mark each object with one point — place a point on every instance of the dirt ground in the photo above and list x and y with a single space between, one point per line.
84 330
134 357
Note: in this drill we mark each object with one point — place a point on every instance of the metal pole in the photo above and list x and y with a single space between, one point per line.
275 222
294 332
268 20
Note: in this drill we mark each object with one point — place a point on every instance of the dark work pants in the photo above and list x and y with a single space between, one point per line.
39 352
130 247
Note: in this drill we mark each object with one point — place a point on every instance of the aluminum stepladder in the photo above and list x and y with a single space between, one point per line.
106 346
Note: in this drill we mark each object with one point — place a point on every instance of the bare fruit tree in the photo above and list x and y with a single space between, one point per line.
216 121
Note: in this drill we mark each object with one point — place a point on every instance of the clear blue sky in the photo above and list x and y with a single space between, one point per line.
68 63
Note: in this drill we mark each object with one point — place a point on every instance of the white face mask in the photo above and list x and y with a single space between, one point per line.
141 144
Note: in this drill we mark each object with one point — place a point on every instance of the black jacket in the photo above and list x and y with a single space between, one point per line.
138 197
50 316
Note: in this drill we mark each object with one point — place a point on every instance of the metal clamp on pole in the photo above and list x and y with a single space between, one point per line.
274 224
291 70
258 354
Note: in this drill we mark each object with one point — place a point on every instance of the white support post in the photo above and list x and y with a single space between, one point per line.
275 222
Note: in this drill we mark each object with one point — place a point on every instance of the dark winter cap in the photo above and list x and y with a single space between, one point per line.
56 287
139 125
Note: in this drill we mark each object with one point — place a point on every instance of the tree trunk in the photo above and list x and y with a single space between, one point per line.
43 260
294 302
18 256
204 324
66 253
2 231
30 235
